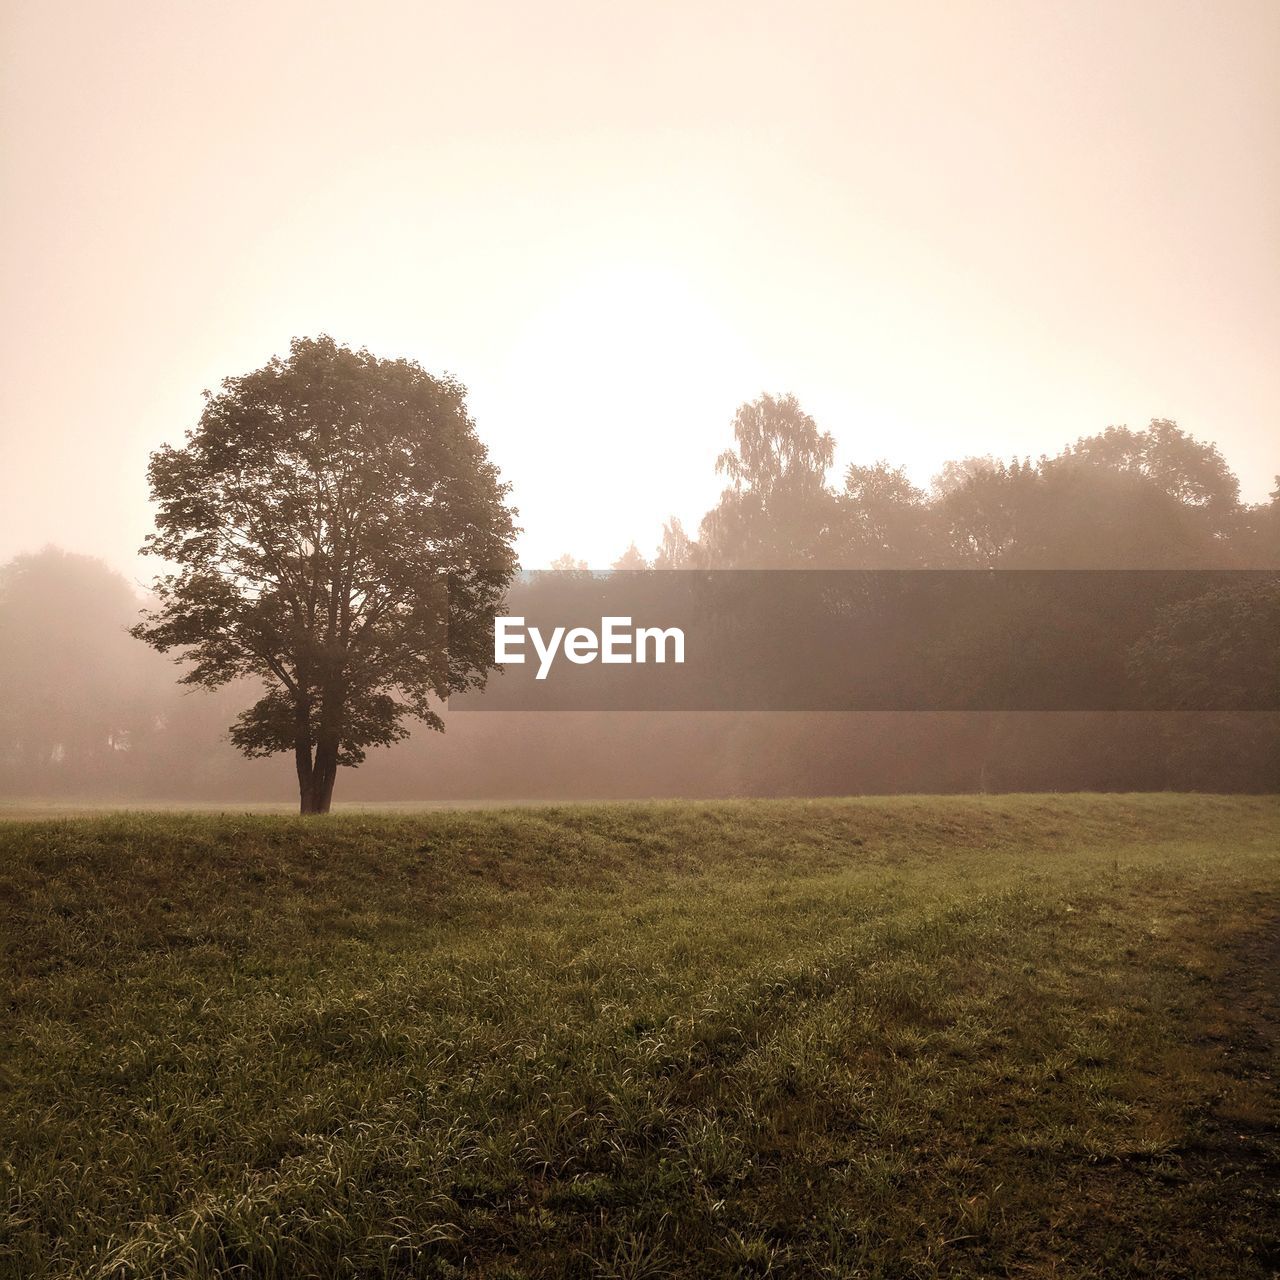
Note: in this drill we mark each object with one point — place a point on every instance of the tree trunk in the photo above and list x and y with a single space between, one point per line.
306 782
305 767
318 769
324 776
325 771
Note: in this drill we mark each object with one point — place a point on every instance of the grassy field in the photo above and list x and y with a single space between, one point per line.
1000 1036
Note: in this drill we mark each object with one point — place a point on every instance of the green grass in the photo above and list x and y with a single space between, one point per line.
1006 1036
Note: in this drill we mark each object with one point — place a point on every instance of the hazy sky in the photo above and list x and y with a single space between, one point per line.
948 228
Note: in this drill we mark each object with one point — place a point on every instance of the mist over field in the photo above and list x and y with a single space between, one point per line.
853 287
88 713
640 642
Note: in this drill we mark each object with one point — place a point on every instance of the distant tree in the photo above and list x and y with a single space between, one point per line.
1259 538
340 535
77 696
955 474
777 511
1134 499
1186 469
677 550
1220 647
631 559
885 521
1121 499
981 506
568 564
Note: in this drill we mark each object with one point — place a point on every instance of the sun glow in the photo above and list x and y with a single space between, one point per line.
621 371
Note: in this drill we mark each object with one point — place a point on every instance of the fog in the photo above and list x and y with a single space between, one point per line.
955 228
971 241
89 713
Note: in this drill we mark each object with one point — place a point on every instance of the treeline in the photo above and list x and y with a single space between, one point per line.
86 711
1123 499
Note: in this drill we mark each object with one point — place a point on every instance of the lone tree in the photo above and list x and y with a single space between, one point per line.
339 534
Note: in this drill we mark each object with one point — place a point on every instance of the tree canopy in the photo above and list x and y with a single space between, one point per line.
1124 498
339 534
777 510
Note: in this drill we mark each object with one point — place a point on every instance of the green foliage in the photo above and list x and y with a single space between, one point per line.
1225 642
912 1037
341 536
